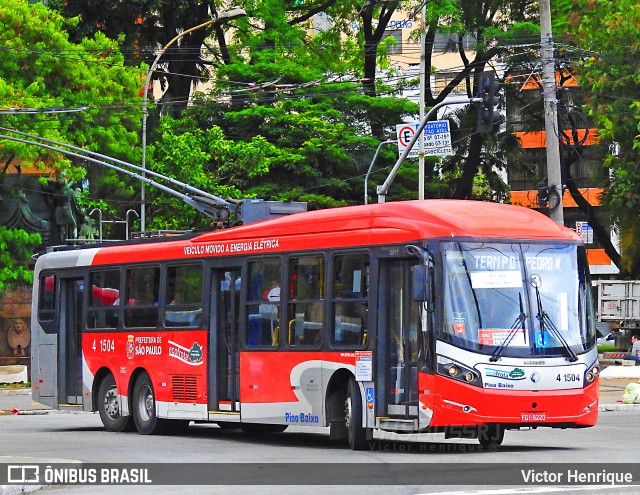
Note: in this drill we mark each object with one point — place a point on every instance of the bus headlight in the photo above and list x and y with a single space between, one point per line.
592 373
457 371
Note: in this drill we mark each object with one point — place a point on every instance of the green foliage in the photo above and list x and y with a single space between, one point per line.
16 248
607 348
41 68
609 30
310 146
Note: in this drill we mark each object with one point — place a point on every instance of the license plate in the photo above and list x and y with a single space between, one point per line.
533 417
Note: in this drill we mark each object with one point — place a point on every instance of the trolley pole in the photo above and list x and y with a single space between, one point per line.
384 188
554 174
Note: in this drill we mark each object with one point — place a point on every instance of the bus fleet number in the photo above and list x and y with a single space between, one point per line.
106 345
568 377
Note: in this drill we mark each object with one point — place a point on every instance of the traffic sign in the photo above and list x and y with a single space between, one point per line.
584 230
436 135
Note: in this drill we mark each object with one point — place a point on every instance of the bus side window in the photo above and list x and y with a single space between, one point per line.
183 298
263 303
142 292
305 308
47 298
350 299
104 310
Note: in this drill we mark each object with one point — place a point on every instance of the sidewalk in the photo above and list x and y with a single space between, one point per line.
613 381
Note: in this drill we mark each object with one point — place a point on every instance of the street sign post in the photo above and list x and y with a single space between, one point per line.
436 135
584 230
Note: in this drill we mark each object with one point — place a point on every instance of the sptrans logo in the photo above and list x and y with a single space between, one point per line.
514 374
192 356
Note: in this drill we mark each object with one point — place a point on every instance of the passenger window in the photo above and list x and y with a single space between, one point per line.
350 300
263 303
104 308
305 308
142 297
183 298
47 298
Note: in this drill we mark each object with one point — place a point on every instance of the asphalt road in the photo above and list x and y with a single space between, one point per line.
80 437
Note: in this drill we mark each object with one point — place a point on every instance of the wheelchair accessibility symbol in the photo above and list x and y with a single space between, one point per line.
369 395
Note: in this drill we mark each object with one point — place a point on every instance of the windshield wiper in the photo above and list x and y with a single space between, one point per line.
516 326
545 321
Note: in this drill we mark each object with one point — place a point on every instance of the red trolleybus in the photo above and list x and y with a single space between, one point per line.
460 317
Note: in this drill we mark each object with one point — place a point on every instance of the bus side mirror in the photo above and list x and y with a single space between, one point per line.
420 289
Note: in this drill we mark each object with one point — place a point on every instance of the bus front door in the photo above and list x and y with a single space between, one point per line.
225 358
70 341
397 342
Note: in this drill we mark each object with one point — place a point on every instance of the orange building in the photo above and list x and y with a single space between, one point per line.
578 147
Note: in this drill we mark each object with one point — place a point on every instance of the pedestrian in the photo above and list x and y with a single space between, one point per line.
634 355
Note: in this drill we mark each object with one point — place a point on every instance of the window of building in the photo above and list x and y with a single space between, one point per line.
448 42
394 47
350 299
305 307
443 79
263 303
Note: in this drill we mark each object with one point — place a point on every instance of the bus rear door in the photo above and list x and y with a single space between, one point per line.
224 356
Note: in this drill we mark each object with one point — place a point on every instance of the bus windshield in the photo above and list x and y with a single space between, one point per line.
517 300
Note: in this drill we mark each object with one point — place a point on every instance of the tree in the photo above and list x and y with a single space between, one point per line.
610 70
281 107
16 248
41 69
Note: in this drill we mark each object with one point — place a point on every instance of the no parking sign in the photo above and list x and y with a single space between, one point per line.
436 135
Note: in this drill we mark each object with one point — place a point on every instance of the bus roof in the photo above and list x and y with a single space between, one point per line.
423 219
378 224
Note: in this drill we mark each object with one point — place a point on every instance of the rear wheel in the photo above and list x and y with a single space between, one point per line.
109 407
490 435
357 434
144 408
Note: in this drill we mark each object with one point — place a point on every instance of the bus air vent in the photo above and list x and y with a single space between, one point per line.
184 388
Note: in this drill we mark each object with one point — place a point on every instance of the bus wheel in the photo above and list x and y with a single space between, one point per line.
490 435
109 407
353 417
144 408
260 429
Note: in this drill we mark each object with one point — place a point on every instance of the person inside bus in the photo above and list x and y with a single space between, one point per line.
634 355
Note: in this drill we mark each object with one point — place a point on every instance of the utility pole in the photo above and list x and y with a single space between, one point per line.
423 82
554 175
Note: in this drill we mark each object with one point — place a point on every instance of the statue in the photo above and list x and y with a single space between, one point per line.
19 337
71 220
65 211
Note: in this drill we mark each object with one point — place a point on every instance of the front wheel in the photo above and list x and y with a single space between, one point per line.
109 407
144 408
356 433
